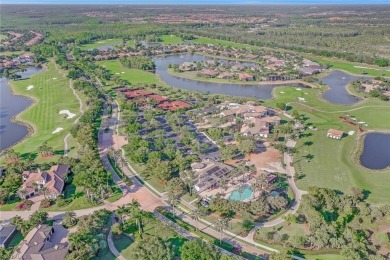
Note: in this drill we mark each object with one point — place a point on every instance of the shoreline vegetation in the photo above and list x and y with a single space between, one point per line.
192 76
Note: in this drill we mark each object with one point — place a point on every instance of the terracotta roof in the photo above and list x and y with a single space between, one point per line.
335 132
137 93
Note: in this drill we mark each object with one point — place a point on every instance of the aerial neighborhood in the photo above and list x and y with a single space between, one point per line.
194 131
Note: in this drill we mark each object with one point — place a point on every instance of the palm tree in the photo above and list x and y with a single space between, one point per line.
134 206
173 201
220 226
44 191
70 218
196 214
121 212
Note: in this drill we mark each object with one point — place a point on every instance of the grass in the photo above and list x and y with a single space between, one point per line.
170 39
224 43
44 115
100 43
352 67
331 165
3 37
10 206
133 76
151 227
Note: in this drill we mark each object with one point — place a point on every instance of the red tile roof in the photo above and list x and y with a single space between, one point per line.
174 105
157 98
137 93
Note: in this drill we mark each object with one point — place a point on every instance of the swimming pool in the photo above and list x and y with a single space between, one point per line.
247 193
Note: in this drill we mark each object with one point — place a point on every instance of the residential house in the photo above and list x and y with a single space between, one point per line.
208 174
187 66
335 134
245 77
53 180
173 105
237 68
225 75
255 127
7 231
42 243
206 73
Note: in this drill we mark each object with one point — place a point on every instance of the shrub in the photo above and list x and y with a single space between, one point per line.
46 203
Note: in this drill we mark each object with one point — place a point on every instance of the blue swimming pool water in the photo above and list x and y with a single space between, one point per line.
246 194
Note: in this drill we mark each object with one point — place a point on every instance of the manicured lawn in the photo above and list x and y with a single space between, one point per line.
100 43
134 76
151 227
353 67
10 206
171 39
350 67
50 88
224 43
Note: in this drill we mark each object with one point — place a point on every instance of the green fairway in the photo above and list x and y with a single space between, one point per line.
225 43
327 162
352 67
52 94
134 76
170 39
100 43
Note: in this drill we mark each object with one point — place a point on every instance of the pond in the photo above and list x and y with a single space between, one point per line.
337 81
376 151
255 90
247 193
11 105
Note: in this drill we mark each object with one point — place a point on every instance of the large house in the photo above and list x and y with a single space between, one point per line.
335 134
53 180
255 127
208 174
245 77
41 244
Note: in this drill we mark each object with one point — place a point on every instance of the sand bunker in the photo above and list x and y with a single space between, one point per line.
117 73
122 72
298 89
301 99
282 92
29 87
58 129
54 78
70 115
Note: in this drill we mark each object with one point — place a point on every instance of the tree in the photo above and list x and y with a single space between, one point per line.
196 214
38 218
122 211
281 106
176 186
152 248
196 249
44 191
247 146
220 225
117 229
281 255
70 219
173 201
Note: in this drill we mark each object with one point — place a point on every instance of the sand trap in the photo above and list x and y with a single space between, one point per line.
54 78
306 93
30 87
122 72
281 92
298 89
117 73
301 99
351 132
58 129
70 115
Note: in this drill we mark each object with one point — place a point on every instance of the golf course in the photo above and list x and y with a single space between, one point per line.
52 94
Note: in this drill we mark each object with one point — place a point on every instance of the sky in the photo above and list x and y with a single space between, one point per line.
195 1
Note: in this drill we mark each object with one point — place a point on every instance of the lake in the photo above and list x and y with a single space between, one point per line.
11 105
255 90
376 151
337 81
